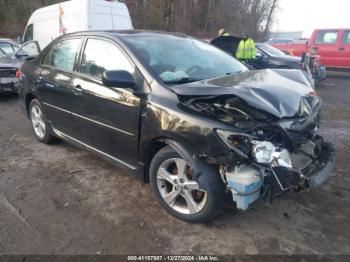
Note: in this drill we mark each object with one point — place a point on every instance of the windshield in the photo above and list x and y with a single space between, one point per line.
270 50
178 60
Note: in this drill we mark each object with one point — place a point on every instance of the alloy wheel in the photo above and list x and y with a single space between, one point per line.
38 121
178 189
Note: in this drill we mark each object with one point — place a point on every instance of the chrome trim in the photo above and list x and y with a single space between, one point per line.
63 135
91 120
58 108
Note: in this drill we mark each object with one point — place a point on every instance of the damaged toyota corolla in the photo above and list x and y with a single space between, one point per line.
180 114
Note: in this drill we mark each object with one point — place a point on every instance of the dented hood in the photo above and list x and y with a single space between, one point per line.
264 90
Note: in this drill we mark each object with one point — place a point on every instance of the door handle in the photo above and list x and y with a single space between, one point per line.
50 85
341 49
77 89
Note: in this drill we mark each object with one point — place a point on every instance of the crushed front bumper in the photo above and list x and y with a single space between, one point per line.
310 168
312 165
322 168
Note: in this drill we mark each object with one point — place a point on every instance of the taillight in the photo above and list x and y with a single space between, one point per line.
313 93
18 73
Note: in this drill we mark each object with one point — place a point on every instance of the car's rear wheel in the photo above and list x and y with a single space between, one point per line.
177 191
40 125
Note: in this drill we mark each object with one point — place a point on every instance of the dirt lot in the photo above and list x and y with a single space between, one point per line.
61 200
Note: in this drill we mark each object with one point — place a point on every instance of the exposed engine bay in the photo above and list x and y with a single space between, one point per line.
269 155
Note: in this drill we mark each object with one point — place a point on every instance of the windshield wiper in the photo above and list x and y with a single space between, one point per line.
235 73
184 80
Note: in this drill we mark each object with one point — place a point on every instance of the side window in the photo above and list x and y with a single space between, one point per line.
346 38
327 37
47 58
28 35
29 48
100 55
63 54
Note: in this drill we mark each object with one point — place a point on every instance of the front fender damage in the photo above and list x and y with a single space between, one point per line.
206 175
249 181
300 159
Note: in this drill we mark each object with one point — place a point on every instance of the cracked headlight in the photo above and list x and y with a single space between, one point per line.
262 152
266 153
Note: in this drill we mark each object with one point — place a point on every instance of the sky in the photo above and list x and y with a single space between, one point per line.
307 15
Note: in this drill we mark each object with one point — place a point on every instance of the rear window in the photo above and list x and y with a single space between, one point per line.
346 38
8 48
327 37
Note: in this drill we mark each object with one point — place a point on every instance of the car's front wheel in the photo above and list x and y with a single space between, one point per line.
177 191
40 125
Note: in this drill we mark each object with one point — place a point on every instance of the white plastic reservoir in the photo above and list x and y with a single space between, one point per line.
244 183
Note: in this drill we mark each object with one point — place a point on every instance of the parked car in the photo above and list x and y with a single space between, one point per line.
49 22
332 45
8 81
280 41
269 57
181 114
11 63
9 46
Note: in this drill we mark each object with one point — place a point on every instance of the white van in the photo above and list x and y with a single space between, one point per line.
49 22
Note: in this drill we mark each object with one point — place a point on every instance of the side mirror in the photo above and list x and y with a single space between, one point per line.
259 56
118 78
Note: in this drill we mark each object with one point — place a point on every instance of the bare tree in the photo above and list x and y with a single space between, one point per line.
196 17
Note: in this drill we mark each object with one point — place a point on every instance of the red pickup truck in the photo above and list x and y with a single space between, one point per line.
332 45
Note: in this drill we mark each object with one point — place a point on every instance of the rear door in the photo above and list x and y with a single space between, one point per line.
54 83
344 50
327 45
106 119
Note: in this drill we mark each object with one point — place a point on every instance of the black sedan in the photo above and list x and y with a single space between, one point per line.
270 57
180 114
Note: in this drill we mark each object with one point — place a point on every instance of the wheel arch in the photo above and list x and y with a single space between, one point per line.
28 99
158 143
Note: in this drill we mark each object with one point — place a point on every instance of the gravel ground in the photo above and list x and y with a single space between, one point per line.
61 200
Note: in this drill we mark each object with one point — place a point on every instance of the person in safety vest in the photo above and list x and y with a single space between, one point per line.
223 32
246 49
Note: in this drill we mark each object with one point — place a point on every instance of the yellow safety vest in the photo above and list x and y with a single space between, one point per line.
246 50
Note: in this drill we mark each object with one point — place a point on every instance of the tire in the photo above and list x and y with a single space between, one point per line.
165 166
40 125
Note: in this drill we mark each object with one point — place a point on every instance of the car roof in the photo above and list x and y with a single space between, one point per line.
123 33
7 40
